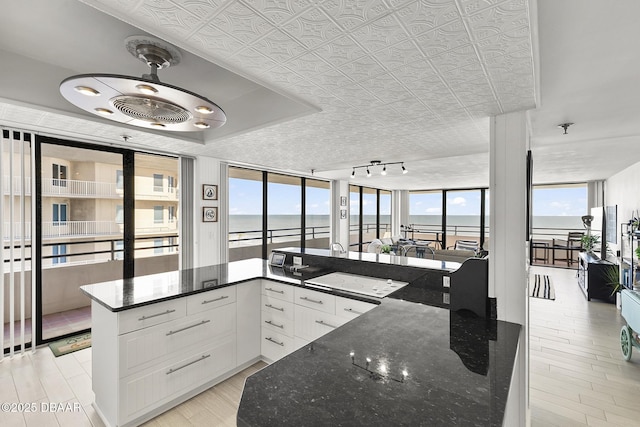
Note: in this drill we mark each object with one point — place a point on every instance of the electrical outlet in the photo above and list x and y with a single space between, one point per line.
297 260
445 298
446 281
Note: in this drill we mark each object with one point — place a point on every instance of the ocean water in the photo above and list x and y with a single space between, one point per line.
245 223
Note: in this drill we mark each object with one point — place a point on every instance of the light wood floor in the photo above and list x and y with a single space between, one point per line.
577 374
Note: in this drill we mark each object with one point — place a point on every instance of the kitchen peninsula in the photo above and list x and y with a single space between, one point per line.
161 339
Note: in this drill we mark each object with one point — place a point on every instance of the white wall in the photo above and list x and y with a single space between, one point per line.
207 235
623 189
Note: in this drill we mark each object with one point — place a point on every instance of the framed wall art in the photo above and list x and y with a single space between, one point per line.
210 214
209 192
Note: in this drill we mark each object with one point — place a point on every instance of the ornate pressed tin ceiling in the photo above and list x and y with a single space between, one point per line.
398 80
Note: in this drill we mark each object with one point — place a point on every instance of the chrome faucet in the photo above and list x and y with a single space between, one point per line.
337 247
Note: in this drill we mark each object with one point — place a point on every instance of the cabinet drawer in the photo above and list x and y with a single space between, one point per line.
142 393
277 290
149 315
350 308
312 324
274 305
143 348
277 322
275 345
316 300
209 300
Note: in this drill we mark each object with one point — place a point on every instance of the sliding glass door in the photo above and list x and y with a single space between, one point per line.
81 225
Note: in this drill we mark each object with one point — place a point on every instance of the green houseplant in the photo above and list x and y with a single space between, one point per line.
589 241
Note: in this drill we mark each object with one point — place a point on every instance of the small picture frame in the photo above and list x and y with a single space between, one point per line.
210 214
343 214
343 200
209 192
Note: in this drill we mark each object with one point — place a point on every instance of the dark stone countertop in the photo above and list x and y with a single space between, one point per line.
458 373
118 295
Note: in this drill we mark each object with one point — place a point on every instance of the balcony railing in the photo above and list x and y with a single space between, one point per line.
52 229
85 189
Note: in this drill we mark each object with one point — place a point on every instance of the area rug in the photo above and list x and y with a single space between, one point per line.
542 287
71 344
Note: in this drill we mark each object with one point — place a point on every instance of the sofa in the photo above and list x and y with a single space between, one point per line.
455 255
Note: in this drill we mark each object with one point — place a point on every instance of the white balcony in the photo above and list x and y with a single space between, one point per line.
87 189
56 229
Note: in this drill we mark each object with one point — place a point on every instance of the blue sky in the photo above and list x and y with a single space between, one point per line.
246 199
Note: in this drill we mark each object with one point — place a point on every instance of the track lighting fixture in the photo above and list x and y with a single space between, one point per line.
374 163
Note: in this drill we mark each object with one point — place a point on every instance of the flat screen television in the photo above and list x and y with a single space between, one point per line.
598 229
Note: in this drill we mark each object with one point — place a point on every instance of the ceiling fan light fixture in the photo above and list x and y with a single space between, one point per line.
137 101
146 89
203 109
86 90
202 125
104 111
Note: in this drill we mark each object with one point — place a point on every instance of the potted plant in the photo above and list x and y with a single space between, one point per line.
589 241
612 280
385 249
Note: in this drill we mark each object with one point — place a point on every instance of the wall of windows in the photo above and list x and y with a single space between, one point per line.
370 216
445 216
269 210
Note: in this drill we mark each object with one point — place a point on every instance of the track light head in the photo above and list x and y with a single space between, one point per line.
404 170
384 170
368 172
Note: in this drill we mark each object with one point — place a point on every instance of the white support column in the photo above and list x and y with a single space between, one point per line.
340 226
507 260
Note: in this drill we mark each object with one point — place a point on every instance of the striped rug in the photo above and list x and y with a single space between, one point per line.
542 287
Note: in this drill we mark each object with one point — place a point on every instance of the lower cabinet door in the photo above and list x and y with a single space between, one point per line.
148 390
312 324
276 345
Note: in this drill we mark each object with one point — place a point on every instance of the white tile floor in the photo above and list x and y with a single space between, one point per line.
577 374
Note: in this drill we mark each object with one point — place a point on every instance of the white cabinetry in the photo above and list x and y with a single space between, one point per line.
277 320
248 322
147 359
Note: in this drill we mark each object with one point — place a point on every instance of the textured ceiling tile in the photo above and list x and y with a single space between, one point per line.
340 51
500 19
456 58
386 88
472 6
333 79
242 23
398 55
505 43
474 92
280 47
450 36
164 14
278 11
379 34
362 68
312 28
466 73
416 73
253 60
199 8
350 14
426 15
211 39
309 65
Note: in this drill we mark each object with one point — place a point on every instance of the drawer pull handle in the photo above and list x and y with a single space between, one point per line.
214 300
351 310
156 315
274 341
274 324
172 370
188 327
322 322
275 308
274 290
317 301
